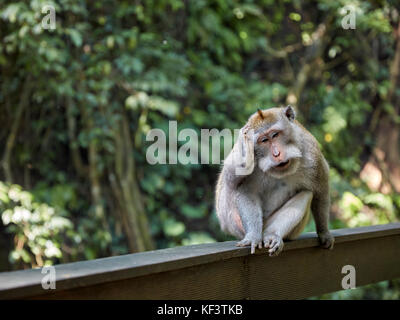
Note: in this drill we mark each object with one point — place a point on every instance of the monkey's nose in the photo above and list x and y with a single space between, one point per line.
276 154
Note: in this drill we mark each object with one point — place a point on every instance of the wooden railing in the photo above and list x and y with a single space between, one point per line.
221 270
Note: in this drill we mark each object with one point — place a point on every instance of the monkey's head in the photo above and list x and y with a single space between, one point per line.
275 146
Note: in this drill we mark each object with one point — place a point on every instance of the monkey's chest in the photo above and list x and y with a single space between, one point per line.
275 196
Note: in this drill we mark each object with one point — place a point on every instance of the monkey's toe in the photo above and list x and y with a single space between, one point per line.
326 240
243 243
254 243
274 243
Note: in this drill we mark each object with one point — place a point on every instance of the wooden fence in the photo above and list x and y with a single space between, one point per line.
221 270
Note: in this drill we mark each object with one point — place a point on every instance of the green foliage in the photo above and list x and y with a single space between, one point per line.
205 64
39 230
384 290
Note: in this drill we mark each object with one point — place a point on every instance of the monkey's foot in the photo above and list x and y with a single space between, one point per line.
326 240
252 241
274 243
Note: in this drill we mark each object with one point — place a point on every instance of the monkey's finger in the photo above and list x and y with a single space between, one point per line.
328 245
243 243
245 129
274 251
327 242
273 254
259 245
253 247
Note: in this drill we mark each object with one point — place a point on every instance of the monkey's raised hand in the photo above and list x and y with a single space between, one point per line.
243 156
240 162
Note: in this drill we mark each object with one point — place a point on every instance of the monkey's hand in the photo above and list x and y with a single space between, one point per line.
251 240
326 240
274 243
244 156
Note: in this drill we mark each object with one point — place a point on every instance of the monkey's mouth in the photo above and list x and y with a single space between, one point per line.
283 165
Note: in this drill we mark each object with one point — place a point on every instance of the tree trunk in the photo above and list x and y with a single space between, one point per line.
312 58
382 170
80 168
23 103
127 193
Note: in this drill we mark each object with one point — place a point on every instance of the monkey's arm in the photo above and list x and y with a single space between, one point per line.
320 207
250 212
287 222
238 165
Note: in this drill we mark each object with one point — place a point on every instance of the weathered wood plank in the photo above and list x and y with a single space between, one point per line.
221 270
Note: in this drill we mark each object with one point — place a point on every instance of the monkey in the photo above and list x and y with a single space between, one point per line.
273 176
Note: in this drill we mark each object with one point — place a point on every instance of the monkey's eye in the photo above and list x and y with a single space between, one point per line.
274 135
264 139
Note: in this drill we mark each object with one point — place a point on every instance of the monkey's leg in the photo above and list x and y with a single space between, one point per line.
249 207
287 222
320 209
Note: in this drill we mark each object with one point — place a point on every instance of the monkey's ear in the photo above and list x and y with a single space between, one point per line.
260 113
290 113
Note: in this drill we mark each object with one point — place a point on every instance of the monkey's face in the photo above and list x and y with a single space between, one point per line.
276 149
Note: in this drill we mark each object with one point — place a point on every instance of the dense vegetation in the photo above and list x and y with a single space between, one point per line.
77 102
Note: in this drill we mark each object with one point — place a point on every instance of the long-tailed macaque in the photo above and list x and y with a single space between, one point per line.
273 175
